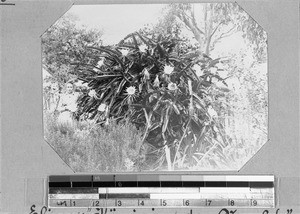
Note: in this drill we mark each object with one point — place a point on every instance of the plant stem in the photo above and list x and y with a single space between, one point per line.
184 133
145 134
148 124
168 158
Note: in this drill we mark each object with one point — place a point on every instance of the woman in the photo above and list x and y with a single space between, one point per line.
67 105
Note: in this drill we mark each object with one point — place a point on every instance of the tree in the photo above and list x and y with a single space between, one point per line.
247 103
63 44
217 21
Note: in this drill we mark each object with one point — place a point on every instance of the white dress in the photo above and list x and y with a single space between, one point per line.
67 106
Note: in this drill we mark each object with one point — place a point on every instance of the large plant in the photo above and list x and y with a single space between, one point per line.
160 85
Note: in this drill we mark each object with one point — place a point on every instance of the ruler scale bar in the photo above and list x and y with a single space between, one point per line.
261 184
153 177
132 190
149 190
159 202
123 195
245 190
161 196
78 190
73 196
104 184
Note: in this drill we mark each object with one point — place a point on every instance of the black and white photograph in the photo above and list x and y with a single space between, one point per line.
155 87
163 107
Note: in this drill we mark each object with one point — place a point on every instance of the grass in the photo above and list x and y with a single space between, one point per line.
88 147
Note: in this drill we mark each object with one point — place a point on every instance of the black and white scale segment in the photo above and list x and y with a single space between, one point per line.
153 190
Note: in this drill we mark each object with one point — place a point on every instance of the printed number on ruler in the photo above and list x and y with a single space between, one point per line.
119 203
96 203
208 202
231 202
254 203
141 203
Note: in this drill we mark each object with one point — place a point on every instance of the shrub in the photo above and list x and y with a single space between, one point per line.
158 86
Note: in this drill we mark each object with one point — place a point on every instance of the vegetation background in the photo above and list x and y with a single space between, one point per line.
168 96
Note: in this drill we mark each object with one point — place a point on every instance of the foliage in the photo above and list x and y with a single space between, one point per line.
155 101
117 147
88 147
160 88
255 34
218 21
64 43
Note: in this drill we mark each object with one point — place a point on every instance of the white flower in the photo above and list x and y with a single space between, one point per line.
102 107
143 48
191 109
146 73
100 63
172 86
130 90
92 93
212 112
78 84
124 52
214 80
198 70
168 69
156 82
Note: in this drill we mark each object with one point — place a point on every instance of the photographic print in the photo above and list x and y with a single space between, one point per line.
155 87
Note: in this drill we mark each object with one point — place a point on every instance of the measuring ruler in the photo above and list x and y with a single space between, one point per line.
158 191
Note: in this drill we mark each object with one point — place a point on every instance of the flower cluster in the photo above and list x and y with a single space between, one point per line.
143 48
130 90
198 70
124 52
168 69
100 62
102 107
172 86
92 93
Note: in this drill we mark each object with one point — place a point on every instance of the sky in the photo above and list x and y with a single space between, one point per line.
117 21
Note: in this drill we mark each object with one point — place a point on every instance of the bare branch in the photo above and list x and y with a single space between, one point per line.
227 33
207 50
214 31
189 21
196 31
195 23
